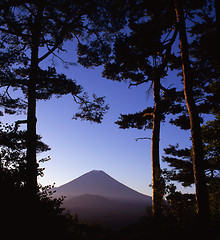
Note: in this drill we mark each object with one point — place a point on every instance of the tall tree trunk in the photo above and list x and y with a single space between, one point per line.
197 146
155 157
32 185
217 34
217 15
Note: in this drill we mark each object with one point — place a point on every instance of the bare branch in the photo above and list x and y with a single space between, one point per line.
6 92
148 114
63 61
30 10
56 45
17 123
49 52
144 138
76 38
165 89
165 40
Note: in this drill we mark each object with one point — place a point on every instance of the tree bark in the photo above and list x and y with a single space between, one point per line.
32 166
217 15
197 146
155 156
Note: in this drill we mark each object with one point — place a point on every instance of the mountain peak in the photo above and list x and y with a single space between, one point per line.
96 171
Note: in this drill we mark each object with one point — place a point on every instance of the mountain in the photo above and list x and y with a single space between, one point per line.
96 196
98 182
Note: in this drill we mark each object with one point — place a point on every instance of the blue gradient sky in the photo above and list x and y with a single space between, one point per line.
78 146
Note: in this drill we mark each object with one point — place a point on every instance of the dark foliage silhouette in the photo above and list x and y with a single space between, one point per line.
136 42
141 57
26 28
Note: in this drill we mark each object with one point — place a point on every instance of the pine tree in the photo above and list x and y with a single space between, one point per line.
141 57
13 159
28 26
197 148
172 15
181 164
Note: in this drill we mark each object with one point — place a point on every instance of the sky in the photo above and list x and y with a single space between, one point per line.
78 146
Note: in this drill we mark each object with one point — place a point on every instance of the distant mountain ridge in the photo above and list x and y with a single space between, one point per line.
96 196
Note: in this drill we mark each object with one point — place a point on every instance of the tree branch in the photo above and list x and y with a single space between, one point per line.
139 83
63 61
165 89
19 34
148 114
76 38
6 92
49 52
17 123
143 138
59 40
30 10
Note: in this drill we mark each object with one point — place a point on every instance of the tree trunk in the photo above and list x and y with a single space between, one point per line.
32 185
197 146
217 15
155 157
217 34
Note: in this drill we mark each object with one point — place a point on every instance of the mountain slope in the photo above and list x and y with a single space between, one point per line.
98 209
96 196
100 183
